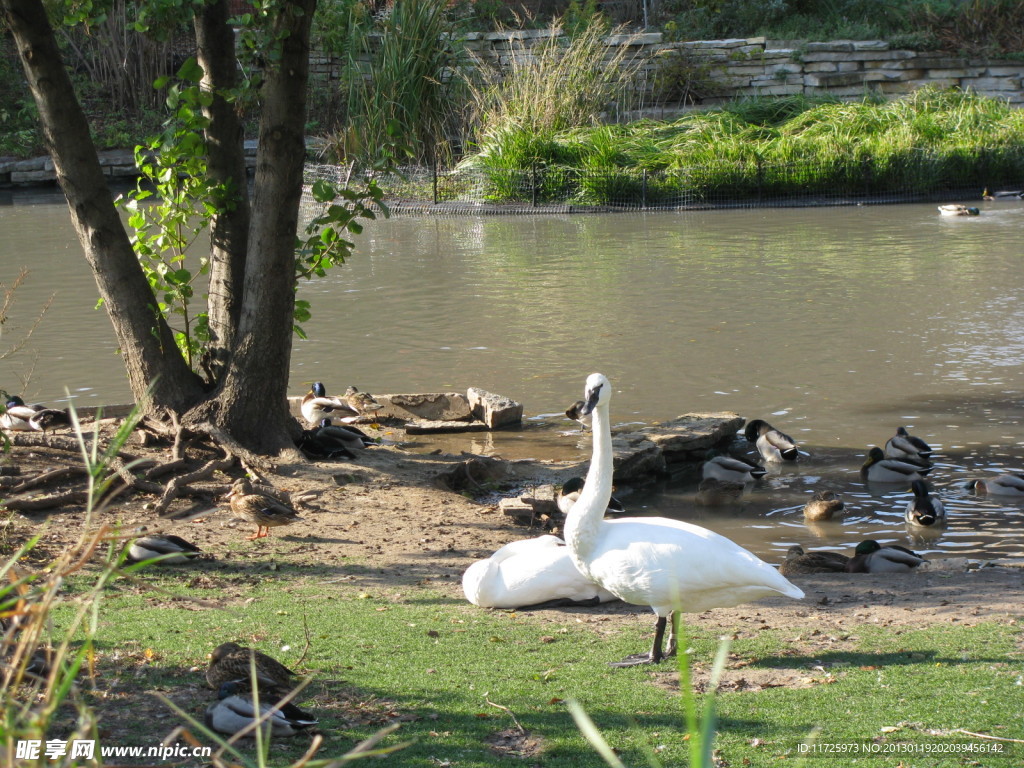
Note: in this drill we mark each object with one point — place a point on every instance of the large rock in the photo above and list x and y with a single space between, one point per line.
688 437
494 410
636 459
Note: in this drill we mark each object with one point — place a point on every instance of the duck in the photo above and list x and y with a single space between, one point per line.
574 412
958 209
798 561
773 445
164 548
823 505
329 441
871 557
1002 194
236 710
904 445
317 406
569 493
362 402
261 508
670 565
1002 485
530 572
231 662
19 417
878 469
729 469
712 492
924 510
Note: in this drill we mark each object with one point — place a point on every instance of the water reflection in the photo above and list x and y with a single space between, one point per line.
836 325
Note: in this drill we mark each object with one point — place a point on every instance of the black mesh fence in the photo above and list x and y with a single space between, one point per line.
908 177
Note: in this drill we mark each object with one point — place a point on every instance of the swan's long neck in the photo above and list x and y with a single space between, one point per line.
583 524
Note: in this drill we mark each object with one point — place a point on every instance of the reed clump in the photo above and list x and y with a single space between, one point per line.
930 140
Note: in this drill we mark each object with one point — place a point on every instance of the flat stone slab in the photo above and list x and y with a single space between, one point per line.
426 406
427 427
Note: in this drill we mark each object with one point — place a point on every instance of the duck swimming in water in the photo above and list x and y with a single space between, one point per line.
773 445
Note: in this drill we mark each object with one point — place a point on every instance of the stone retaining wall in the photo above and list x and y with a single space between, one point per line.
714 70
724 69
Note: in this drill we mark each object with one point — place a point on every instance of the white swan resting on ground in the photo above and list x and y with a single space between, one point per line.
529 572
666 564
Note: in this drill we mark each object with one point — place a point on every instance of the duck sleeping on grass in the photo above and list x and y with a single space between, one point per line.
231 662
164 548
238 709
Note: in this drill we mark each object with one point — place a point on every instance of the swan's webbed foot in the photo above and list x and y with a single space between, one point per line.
635 660
655 655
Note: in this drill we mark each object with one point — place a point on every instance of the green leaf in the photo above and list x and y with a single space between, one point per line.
191 71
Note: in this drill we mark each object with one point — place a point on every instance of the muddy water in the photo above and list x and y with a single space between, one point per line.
836 325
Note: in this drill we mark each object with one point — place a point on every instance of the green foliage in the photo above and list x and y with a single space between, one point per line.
173 168
400 85
929 140
556 86
19 132
325 243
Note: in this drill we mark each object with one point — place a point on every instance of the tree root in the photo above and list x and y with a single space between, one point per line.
180 483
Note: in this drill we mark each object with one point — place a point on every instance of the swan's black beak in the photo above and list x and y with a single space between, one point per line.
590 398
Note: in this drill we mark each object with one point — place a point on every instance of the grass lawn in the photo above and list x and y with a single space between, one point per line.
472 687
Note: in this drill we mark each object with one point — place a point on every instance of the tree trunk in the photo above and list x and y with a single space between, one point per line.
254 407
147 345
229 230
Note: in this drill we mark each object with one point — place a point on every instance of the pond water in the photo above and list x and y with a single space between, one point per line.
834 324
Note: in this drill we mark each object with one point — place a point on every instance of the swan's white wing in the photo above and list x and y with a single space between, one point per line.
666 563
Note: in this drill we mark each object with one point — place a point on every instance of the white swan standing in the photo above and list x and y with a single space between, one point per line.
666 564
529 572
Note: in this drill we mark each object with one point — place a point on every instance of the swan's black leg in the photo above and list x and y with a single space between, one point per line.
655 654
670 650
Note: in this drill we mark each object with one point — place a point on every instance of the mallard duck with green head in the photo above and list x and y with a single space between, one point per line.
904 445
1001 485
871 557
238 708
773 445
924 510
729 469
317 405
878 469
